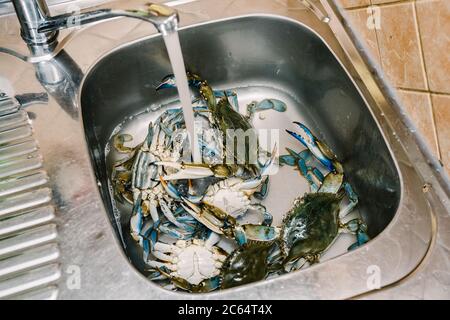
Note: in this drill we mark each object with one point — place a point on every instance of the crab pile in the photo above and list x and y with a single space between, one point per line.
187 217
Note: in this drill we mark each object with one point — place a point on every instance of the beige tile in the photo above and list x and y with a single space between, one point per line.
441 105
434 26
354 3
358 19
399 46
418 107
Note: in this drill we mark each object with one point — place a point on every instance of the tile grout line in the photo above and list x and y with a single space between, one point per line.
379 4
422 55
378 42
424 91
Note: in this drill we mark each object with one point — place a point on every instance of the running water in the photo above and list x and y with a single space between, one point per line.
176 59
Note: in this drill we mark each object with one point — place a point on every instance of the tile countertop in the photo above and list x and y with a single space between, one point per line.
409 40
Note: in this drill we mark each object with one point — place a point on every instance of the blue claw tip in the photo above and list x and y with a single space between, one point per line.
298 137
305 129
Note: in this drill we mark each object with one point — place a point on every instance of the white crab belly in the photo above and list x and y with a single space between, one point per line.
235 203
195 264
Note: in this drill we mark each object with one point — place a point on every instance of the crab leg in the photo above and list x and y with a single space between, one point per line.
352 197
143 172
136 223
154 211
169 215
160 265
170 82
170 188
359 228
174 233
212 239
186 171
203 216
303 160
166 248
264 190
312 143
156 276
250 184
313 175
150 237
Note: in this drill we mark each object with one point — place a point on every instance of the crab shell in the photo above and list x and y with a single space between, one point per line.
310 226
245 265
228 196
195 262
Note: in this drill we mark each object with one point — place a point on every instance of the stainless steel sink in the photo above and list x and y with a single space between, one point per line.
261 48
249 55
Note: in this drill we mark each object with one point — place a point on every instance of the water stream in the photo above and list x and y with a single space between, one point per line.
172 43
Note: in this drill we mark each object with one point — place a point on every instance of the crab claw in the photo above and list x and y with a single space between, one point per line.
174 193
266 167
203 216
170 82
314 145
273 104
186 171
254 232
167 82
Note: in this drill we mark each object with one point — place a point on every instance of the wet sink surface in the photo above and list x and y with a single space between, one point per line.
260 57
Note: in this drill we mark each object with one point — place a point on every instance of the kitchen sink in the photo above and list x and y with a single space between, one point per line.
102 82
258 56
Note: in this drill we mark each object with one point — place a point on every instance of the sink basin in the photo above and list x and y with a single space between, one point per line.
259 57
265 49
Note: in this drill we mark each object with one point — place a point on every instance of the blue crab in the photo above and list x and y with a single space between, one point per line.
247 264
192 265
136 179
223 223
314 222
227 118
225 201
207 94
317 155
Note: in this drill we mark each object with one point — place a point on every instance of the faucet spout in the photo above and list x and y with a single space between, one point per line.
40 29
164 18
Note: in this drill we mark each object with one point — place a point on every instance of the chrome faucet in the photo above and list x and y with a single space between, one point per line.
55 69
40 30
